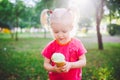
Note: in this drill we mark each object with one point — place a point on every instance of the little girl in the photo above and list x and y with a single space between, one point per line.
61 22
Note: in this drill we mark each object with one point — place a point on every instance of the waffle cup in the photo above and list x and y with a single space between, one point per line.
60 64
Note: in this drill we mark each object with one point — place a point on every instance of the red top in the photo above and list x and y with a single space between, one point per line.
72 51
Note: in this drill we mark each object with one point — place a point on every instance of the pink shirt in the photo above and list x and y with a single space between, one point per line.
72 51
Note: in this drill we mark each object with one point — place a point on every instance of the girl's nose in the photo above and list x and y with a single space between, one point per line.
60 34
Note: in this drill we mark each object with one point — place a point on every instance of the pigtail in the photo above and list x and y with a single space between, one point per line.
75 16
44 18
71 12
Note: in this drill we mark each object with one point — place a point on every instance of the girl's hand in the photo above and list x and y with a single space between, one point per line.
67 67
57 69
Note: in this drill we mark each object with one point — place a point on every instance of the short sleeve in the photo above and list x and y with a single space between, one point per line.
81 49
48 50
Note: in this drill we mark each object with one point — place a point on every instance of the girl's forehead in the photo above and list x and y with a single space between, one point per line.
59 26
56 25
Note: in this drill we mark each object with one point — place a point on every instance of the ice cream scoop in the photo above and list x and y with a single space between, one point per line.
58 59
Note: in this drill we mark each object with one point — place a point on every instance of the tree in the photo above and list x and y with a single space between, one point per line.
18 14
18 8
6 14
99 11
114 8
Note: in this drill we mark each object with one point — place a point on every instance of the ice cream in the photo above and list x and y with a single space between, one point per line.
58 59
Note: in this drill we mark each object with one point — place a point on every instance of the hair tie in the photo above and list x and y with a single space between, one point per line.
49 11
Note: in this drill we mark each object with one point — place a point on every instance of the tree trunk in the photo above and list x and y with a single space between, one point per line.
110 16
100 43
17 21
99 14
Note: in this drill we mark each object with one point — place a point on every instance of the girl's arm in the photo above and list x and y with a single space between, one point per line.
47 65
78 64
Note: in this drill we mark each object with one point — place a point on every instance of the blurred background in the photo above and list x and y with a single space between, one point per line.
21 16
22 37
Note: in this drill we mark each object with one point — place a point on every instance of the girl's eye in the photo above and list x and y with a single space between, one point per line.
64 31
55 31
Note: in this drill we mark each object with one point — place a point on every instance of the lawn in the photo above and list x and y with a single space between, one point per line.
21 60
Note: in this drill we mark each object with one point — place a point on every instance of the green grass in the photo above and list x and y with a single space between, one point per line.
103 65
22 60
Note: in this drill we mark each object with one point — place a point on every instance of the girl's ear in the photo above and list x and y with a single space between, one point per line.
71 27
71 12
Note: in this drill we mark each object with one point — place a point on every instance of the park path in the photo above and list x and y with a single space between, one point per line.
90 37
105 38
111 38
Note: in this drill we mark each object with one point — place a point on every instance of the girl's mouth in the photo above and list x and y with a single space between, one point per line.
61 39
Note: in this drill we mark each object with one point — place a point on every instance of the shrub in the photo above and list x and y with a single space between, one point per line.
113 29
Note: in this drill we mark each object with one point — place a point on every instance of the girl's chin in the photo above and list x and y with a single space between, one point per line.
63 42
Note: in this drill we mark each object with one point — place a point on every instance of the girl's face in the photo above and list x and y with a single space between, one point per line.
61 32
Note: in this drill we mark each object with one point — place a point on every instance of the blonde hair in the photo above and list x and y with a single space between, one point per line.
62 16
44 18
59 15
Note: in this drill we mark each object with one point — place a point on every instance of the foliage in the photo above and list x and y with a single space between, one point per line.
27 16
103 65
6 30
113 29
114 7
4 10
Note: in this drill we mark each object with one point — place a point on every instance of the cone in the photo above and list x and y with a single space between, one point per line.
60 64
